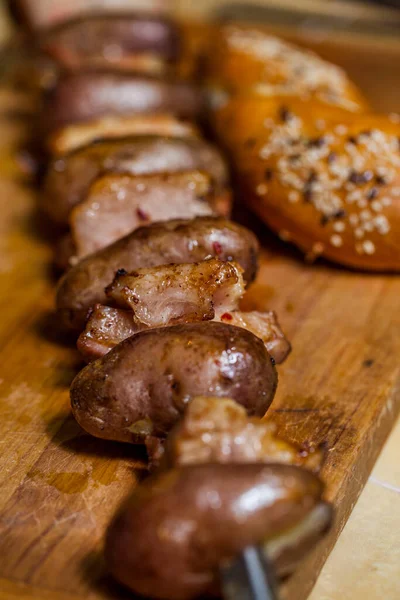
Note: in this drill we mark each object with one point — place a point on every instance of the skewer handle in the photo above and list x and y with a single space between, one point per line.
249 577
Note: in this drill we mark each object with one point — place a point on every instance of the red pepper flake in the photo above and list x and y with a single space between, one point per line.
142 215
226 317
217 248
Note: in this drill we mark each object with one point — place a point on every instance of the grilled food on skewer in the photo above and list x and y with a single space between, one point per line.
138 391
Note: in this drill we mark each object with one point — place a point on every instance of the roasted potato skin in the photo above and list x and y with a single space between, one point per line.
69 178
140 388
175 241
172 534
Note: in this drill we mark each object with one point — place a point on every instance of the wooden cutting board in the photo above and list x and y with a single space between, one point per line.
59 487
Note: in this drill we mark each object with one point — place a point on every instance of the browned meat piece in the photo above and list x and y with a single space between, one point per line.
140 389
134 42
89 95
161 243
265 326
170 538
181 293
40 14
69 178
118 204
215 430
107 327
74 136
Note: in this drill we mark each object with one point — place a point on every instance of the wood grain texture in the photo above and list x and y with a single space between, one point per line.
59 487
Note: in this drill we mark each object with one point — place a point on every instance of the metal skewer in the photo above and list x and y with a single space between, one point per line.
249 577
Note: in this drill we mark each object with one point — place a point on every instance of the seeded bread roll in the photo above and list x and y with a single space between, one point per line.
319 177
246 58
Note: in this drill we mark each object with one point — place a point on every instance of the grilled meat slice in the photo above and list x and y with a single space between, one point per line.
216 430
69 178
74 136
161 243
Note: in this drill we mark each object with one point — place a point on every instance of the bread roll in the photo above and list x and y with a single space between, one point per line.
321 177
246 58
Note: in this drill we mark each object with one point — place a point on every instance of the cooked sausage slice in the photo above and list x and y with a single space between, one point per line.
171 536
140 389
40 14
93 94
124 41
161 243
74 136
215 430
264 325
69 178
108 326
181 293
118 204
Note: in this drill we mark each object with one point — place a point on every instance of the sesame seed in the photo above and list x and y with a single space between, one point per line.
262 189
365 215
339 226
336 241
382 224
294 197
318 248
341 129
359 233
269 122
376 206
353 218
386 201
368 247
264 153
